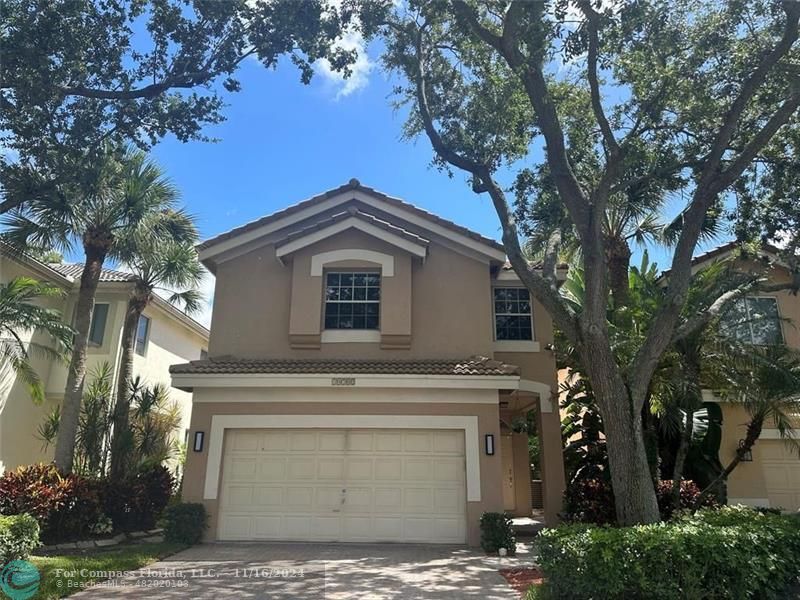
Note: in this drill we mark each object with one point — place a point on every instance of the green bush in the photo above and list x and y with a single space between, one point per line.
184 523
731 553
496 533
19 535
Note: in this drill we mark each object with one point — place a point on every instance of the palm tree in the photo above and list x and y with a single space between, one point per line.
96 207
161 264
18 315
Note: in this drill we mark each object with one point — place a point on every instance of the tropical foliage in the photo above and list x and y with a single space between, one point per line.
21 313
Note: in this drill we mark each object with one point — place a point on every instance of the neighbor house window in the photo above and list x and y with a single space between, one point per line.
352 300
142 333
98 326
512 314
754 321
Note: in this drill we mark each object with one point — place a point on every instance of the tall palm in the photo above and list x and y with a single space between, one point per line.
95 208
19 314
164 264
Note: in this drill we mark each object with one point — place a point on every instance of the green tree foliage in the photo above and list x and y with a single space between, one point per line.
20 315
599 111
127 193
77 72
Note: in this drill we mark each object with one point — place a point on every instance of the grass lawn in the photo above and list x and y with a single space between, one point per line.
65 574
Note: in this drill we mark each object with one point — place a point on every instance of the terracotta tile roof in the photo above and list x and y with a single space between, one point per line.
354 212
74 270
474 365
352 185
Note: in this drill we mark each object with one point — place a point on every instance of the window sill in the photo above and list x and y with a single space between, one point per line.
333 336
517 346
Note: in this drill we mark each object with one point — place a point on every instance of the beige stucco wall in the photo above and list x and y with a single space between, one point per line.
254 294
395 402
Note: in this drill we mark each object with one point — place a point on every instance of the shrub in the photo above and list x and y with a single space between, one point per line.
65 506
729 553
185 522
19 535
136 503
592 500
496 533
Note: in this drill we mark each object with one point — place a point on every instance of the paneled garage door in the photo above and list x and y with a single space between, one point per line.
781 473
359 485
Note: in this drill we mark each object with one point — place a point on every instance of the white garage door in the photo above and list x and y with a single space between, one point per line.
781 473
357 485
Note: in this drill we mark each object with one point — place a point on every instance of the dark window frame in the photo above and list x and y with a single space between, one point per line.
511 322
352 300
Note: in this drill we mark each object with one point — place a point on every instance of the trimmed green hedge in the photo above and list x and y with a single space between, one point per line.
731 553
19 535
185 522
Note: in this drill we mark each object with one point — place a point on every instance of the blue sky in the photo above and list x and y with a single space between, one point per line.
284 142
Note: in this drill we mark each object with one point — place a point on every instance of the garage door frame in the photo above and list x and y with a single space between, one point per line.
219 423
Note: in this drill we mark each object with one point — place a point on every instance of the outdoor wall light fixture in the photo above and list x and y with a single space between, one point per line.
747 455
489 444
198 440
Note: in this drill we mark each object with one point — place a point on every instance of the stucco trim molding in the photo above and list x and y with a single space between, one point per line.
517 346
352 223
333 336
386 261
537 387
327 380
219 423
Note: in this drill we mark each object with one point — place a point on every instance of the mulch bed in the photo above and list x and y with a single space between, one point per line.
522 578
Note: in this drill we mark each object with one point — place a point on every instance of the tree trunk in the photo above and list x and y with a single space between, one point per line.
73 393
753 433
120 436
618 259
634 494
680 457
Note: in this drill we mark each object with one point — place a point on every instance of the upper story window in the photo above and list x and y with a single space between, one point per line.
352 300
142 335
754 321
512 314
97 328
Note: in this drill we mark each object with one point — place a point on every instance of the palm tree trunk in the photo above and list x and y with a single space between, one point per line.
120 435
618 259
71 405
680 457
753 433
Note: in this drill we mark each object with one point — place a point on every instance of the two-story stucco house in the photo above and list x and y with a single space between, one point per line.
772 477
165 336
366 361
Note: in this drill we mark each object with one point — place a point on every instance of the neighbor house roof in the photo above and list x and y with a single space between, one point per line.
472 366
74 270
723 250
352 185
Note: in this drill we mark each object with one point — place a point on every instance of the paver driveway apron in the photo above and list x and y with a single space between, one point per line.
299 571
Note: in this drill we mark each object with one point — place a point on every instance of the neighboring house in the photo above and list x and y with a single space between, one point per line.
772 479
165 336
366 362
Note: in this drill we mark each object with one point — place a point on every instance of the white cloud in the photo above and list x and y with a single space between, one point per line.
360 70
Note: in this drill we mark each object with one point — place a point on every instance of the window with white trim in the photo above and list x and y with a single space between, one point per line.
97 328
754 320
352 300
512 314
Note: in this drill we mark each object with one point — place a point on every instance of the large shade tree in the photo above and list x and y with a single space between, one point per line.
695 98
77 72
95 214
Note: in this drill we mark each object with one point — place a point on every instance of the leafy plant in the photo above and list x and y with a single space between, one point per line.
728 553
496 533
137 502
185 523
19 314
19 536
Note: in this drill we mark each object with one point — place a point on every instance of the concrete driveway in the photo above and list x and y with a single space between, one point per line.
278 571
